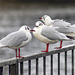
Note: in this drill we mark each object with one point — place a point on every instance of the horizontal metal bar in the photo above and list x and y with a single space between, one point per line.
36 55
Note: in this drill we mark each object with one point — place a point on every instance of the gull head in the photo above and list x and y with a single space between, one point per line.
26 28
46 19
39 23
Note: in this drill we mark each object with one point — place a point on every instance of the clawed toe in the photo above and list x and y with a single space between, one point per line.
20 57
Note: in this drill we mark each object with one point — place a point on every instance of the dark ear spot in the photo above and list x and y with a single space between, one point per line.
43 18
25 28
28 28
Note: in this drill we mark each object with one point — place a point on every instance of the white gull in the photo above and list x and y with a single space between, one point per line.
62 26
47 34
17 39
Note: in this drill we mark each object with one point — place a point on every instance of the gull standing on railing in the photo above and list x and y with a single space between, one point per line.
62 26
47 34
17 39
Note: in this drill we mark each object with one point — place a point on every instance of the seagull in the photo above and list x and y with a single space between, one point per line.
57 22
47 34
17 39
62 26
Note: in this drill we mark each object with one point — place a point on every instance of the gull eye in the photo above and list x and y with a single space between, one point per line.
27 28
40 24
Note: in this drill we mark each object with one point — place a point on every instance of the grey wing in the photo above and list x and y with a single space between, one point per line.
14 39
61 23
66 30
64 27
52 34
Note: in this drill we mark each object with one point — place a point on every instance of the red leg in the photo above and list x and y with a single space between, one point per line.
60 45
16 52
47 46
19 54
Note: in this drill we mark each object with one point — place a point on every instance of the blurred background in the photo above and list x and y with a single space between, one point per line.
15 13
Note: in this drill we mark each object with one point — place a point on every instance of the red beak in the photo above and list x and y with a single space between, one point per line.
40 18
32 30
36 26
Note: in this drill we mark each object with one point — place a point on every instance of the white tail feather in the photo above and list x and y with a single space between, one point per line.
1 45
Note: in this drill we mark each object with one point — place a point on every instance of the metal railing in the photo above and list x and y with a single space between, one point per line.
16 65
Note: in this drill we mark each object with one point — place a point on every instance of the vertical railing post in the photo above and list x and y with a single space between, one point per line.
21 68
36 66
65 62
1 70
17 70
58 63
29 67
72 61
51 64
12 69
44 65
